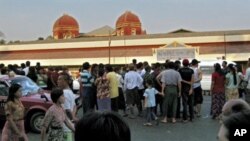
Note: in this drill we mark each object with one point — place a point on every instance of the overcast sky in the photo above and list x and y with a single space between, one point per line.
30 19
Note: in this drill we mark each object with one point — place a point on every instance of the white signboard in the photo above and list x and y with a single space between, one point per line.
175 53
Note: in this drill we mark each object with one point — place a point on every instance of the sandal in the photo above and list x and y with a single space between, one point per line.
173 121
163 121
147 124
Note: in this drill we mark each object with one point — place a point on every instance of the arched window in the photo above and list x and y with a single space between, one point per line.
122 32
133 31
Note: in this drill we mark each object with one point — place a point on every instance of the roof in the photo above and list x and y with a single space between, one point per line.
175 44
181 30
147 36
102 31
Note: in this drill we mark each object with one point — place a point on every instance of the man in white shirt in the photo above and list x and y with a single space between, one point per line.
26 69
69 104
131 82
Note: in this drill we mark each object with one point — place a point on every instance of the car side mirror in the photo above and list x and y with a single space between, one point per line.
44 96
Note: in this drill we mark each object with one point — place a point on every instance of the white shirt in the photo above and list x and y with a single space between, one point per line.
120 80
132 79
196 77
69 103
140 72
150 95
26 70
247 77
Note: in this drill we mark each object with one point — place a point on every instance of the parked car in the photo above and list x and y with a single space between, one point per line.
35 100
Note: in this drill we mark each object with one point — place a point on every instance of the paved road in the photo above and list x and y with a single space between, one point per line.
201 129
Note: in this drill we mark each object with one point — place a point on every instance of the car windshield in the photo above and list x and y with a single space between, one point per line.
28 86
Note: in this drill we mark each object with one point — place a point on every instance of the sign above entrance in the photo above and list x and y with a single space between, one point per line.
175 51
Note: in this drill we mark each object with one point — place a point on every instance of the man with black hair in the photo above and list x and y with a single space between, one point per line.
224 67
1 67
198 98
69 104
187 76
113 85
157 86
171 80
26 69
131 82
86 82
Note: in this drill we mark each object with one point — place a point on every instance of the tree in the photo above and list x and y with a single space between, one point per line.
40 38
49 38
2 41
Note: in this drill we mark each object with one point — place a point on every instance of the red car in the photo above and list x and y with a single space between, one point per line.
35 100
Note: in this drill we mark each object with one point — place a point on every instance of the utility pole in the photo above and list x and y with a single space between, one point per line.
225 47
109 44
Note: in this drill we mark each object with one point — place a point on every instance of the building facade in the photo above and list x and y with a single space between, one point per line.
234 45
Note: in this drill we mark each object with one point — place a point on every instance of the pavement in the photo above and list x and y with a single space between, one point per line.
201 129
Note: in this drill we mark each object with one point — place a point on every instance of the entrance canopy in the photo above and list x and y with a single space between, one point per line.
175 51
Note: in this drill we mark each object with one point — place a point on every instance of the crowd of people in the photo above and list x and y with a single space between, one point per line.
138 89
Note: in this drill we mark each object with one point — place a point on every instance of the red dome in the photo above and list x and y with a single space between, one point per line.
65 27
66 21
128 17
128 24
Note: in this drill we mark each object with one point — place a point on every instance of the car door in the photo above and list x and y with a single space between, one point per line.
3 98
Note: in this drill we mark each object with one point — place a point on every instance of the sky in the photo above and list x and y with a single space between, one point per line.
27 20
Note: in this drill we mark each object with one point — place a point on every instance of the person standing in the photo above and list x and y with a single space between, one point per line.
69 104
103 92
198 98
121 99
86 91
55 118
231 83
42 78
149 103
241 83
247 78
187 76
178 109
157 86
139 70
13 129
26 69
32 74
217 91
224 67
113 86
170 79
131 82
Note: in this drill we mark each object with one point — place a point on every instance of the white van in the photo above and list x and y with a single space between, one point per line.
207 68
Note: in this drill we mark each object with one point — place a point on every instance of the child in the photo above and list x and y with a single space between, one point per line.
149 103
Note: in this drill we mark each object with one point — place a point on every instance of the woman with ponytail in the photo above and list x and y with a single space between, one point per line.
232 83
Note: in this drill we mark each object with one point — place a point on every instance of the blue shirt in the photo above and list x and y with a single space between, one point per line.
150 95
86 79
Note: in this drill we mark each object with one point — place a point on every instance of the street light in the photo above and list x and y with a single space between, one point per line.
225 48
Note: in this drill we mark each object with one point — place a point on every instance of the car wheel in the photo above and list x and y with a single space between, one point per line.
36 122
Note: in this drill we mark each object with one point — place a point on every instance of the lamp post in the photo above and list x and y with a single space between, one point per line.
109 45
225 47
